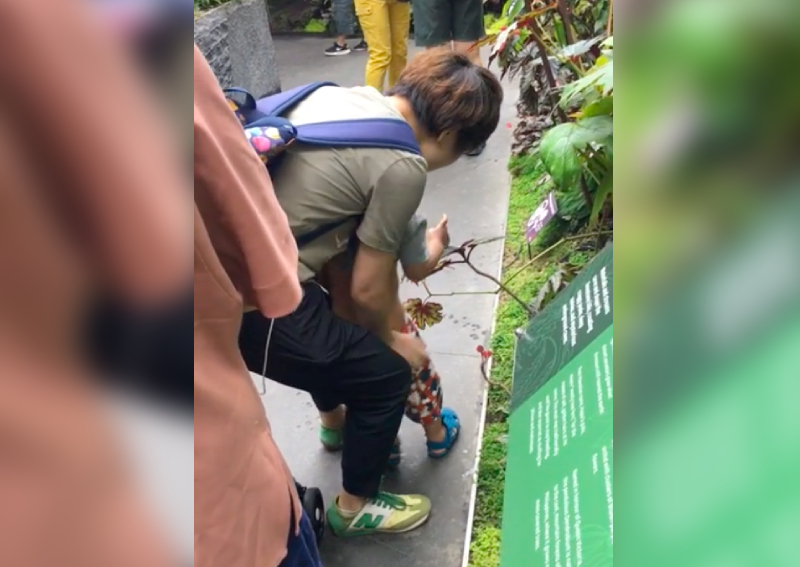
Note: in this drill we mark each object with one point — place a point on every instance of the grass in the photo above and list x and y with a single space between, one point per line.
315 26
201 5
525 197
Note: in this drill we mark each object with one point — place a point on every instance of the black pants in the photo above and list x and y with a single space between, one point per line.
337 363
151 352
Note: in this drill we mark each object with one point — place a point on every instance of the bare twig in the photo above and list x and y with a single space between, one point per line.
502 286
454 293
464 252
553 247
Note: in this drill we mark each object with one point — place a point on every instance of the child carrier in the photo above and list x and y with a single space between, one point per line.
270 133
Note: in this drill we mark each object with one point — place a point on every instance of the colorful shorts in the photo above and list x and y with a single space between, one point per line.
424 404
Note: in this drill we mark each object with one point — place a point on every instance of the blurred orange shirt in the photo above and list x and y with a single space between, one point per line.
92 193
244 251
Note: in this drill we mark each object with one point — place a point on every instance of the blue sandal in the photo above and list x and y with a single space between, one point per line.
453 426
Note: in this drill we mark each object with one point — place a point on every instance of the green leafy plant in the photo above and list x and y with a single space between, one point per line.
316 26
580 153
560 279
562 52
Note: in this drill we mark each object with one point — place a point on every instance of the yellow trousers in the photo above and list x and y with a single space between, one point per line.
385 25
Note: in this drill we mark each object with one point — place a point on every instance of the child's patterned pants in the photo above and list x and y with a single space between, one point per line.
424 404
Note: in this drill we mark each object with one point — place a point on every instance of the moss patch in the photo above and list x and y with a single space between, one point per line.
315 26
526 194
486 546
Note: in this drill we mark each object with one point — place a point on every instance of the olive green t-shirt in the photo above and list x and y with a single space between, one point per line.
317 185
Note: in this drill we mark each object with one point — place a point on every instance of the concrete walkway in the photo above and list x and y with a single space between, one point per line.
474 194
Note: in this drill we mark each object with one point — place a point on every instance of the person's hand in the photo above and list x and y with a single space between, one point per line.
411 348
440 234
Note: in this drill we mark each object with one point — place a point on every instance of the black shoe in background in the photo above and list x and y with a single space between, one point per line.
477 151
337 49
361 46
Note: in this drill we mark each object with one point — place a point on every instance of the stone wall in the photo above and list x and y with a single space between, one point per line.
237 42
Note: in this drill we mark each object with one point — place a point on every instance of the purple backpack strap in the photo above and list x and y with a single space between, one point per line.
389 133
281 103
366 133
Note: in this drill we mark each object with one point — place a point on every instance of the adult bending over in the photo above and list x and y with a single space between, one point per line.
452 106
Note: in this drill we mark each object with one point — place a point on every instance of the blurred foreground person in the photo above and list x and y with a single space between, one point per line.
247 513
92 196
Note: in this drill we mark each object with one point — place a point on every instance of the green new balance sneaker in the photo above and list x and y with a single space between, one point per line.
384 514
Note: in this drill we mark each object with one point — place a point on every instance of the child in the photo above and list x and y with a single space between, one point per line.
420 253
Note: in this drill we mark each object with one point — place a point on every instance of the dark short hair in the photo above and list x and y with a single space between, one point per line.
449 92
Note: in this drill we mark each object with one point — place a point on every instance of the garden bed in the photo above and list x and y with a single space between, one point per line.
511 315
562 54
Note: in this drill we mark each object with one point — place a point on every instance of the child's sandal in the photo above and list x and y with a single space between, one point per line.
331 439
439 450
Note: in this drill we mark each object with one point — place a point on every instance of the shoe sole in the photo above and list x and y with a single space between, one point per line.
410 528
337 54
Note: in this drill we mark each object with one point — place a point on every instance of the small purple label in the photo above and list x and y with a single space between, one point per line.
541 216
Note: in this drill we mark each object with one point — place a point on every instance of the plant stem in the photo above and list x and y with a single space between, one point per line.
500 285
503 286
553 247
454 293
551 80
610 25
585 192
490 381
563 9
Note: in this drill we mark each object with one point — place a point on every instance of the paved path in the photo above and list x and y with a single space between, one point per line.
474 194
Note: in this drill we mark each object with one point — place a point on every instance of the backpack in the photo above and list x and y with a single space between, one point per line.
270 133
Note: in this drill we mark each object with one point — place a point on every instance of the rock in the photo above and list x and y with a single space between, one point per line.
237 41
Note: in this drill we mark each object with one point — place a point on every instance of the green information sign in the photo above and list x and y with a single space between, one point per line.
559 501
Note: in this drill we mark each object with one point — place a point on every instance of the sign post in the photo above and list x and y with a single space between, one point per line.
559 501
543 214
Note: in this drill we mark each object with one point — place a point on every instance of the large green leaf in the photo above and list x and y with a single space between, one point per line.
559 155
600 80
600 196
601 107
561 146
579 48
